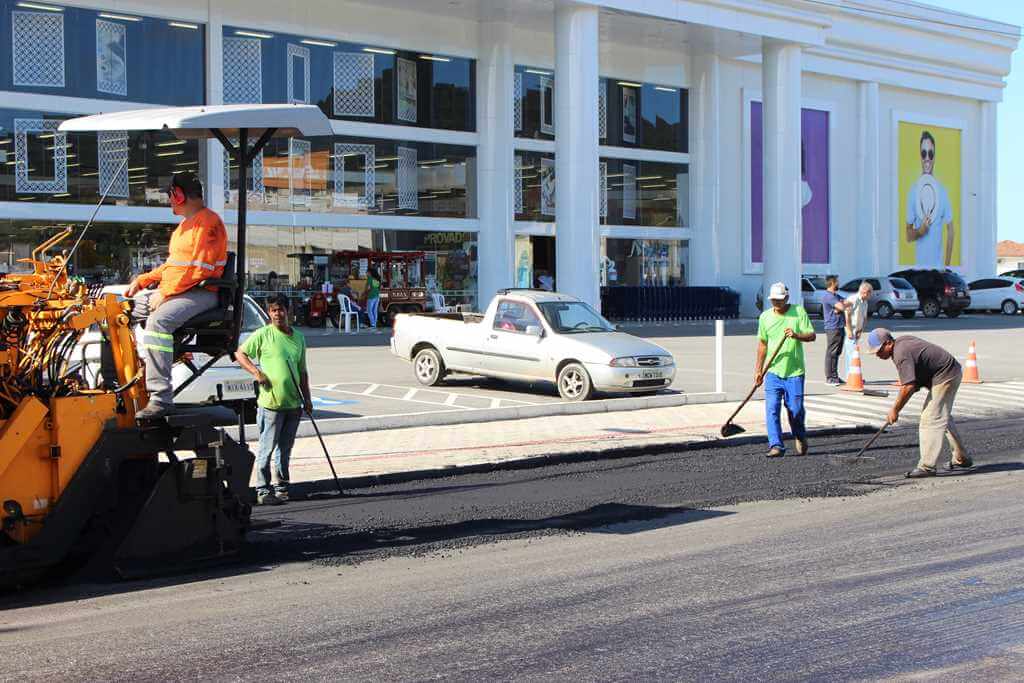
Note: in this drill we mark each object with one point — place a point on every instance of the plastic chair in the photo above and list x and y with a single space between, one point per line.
347 310
439 303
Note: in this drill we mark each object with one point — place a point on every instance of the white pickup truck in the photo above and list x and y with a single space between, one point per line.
533 335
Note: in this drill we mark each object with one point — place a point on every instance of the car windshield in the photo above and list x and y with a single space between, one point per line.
956 280
574 317
900 283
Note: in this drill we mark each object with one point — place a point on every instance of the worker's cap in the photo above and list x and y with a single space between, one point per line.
778 291
877 338
189 184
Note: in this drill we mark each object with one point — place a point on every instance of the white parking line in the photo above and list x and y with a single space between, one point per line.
410 395
450 401
370 389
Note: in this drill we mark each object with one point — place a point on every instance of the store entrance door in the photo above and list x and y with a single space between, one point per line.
543 262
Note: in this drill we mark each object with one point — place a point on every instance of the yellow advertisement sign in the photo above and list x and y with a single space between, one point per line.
929 211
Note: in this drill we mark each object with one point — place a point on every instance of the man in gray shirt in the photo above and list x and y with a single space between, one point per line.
923 365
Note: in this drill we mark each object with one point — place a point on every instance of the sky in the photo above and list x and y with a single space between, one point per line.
1011 112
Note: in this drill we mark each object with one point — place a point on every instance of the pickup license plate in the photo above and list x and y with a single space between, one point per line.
238 388
959 293
651 374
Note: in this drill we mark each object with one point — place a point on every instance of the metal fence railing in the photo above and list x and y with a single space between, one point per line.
653 304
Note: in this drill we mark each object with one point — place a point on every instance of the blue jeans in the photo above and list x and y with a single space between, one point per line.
777 390
372 306
277 436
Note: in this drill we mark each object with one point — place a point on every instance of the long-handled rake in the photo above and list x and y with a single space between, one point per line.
870 442
732 429
316 429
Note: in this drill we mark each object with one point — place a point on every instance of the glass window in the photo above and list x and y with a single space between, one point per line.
534 194
634 262
350 81
899 283
514 316
297 261
629 114
573 317
38 169
645 193
360 176
112 56
110 253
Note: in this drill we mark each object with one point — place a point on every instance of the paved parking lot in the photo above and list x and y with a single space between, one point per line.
356 375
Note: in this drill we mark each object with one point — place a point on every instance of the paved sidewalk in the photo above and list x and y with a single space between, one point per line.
420 449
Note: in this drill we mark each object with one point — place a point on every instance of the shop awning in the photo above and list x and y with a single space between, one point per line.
192 123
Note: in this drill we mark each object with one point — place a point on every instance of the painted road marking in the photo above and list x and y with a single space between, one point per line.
434 397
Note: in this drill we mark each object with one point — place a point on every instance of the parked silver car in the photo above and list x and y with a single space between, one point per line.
532 335
891 295
812 288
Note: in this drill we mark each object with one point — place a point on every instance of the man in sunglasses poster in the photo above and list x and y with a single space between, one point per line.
197 252
929 212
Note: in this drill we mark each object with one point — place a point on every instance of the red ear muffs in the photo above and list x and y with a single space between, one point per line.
177 195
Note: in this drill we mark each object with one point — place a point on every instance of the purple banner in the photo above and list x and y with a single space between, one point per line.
815 185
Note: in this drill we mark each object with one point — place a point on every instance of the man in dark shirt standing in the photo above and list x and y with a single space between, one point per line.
923 365
832 310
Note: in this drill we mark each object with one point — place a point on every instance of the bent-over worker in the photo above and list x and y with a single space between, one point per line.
198 251
923 365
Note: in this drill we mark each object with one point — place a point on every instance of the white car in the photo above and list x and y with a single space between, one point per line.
1005 294
532 335
224 381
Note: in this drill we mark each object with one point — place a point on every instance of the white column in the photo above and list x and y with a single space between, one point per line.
494 160
978 240
783 220
873 252
705 171
576 157
214 160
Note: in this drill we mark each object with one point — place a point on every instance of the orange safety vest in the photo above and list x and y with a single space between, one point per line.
198 250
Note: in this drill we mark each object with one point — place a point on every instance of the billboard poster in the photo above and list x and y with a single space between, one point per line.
929 168
547 187
111 57
524 262
407 91
628 115
814 185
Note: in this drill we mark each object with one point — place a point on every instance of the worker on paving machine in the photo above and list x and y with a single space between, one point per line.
198 251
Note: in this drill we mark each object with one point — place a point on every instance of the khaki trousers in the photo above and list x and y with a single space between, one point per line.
937 422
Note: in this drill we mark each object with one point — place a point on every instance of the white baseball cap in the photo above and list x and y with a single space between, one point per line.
778 291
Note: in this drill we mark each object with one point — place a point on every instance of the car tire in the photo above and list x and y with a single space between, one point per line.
574 383
885 310
1009 307
931 308
428 367
954 312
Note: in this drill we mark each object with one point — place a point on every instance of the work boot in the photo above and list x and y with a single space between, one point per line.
268 498
775 452
920 473
152 411
282 495
801 446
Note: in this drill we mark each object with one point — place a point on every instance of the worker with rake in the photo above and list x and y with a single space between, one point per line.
923 365
784 328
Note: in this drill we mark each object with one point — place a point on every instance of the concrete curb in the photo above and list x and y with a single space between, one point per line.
351 425
613 453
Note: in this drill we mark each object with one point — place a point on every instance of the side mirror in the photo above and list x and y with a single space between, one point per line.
535 331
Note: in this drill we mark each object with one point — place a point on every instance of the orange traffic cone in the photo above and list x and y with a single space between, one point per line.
971 375
854 375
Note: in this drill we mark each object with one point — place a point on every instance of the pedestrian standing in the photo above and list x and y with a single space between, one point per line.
275 355
923 365
833 310
856 312
787 328
372 296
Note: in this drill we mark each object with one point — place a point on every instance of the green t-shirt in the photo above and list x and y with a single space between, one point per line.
771 328
276 352
373 291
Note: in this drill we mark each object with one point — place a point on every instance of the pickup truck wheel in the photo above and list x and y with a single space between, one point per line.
574 383
429 367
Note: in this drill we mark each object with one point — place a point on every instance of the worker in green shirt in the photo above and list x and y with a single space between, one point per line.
275 355
786 325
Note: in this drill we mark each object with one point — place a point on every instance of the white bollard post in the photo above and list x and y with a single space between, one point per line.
719 356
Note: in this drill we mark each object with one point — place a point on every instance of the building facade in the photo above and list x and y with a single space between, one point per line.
523 143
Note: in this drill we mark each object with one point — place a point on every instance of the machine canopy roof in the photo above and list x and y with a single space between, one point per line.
195 123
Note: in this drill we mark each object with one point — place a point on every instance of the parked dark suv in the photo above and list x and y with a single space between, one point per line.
938 291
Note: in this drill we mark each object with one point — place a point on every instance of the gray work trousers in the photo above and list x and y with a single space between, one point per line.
158 339
937 422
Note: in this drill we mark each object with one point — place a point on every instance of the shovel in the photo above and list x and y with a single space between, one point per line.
731 429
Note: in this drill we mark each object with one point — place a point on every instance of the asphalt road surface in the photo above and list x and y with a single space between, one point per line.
649 567
357 375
